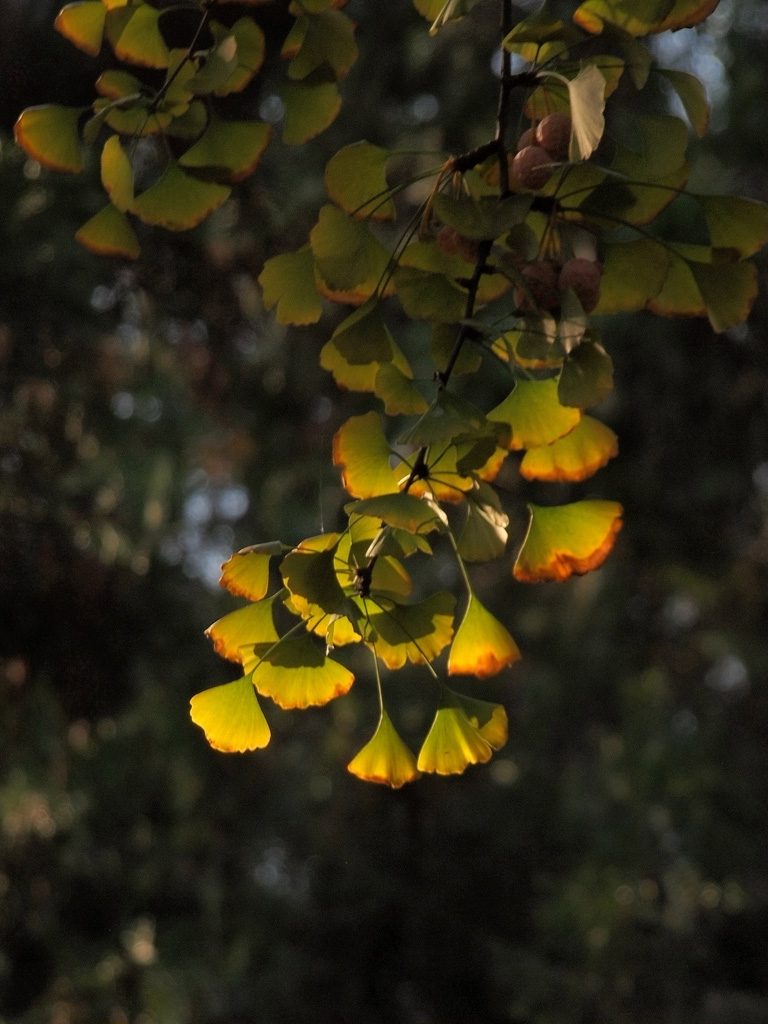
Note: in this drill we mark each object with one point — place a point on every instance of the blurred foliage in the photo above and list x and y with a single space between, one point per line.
606 867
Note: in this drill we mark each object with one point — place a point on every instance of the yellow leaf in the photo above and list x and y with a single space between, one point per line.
578 455
109 234
385 758
244 628
489 719
482 646
362 451
567 539
117 174
230 717
296 674
48 134
246 573
83 24
534 414
452 743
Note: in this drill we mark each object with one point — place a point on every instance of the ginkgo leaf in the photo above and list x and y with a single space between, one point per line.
49 135
485 218
404 511
362 451
229 150
109 234
413 632
251 47
246 572
117 174
428 296
484 535
309 108
231 717
567 539
695 286
288 282
385 758
245 628
586 377
355 179
482 646
736 224
643 17
310 577
398 392
296 674
116 84
534 414
489 719
219 64
141 41
586 93
452 744
350 259
576 456
633 273
83 24
692 95
320 40
441 346
179 201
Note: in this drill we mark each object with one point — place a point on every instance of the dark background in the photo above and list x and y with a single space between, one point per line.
607 866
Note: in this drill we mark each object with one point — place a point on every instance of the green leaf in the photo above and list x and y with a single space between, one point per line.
638 57
567 539
361 450
530 36
535 413
404 511
586 377
441 347
288 282
141 41
364 337
385 758
398 392
643 17
229 150
296 674
245 628
109 234
178 201
728 289
117 174
325 40
49 135
310 577
484 536
251 49
116 85
246 572
576 456
481 219
692 95
448 417
220 64
350 259
736 224
452 744
83 25
355 179
191 124
633 273
428 296
309 108
412 632
230 717
482 646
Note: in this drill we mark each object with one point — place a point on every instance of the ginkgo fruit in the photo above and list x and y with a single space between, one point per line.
542 292
528 138
532 167
583 276
553 133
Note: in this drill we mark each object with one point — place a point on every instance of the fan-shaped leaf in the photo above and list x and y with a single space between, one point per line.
534 414
245 628
362 451
309 108
250 53
484 218
83 24
567 539
452 743
405 511
141 41
413 632
385 758
288 282
634 272
482 646
586 93
49 135
116 85
355 179
692 95
178 201
489 719
736 224
318 41
229 150
109 234
310 577
576 456
484 535
117 174
643 17
350 259
399 394
296 674
230 717
586 377
246 572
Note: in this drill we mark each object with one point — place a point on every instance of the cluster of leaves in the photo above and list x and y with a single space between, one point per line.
483 263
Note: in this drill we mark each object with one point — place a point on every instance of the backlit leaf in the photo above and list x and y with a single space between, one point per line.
321 40
355 179
179 201
586 377
229 150
576 456
643 17
735 223
692 95
567 539
350 259
288 282
83 24
489 719
633 273
404 511
586 93
250 53
246 572
141 42
219 65
309 108
230 717
385 758
413 632
310 577
116 84
109 234
482 646
484 535
49 135
399 394
728 290
427 296
117 174
452 744
243 628
296 674
484 218
362 451
441 348
534 414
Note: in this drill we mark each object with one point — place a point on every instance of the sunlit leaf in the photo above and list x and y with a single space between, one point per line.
586 93
534 414
405 511
309 108
567 539
250 53
288 282
489 719
245 628
109 234
413 632
230 717
385 758
49 135
355 179
538 31
179 201
116 84
576 456
484 535
246 572
229 150
350 259
586 377
141 41
485 218
310 577
643 17
633 273
362 451
83 24
296 674
219 65
482 646
117 174
321 40
398 392
736 224
452 744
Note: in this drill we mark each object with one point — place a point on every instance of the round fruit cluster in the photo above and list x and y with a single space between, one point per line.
538 150
546 281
